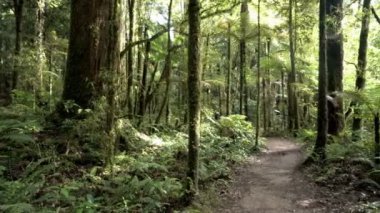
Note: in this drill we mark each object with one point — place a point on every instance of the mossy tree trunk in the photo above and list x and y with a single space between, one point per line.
194 90
361 69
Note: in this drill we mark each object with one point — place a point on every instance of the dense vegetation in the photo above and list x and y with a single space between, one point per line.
140 105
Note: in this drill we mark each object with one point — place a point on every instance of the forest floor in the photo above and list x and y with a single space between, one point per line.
273 182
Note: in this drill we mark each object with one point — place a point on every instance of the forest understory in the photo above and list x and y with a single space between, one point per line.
185 105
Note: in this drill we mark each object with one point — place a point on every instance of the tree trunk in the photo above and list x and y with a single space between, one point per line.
131 8
112 67
320 144
334 10
143 86
41 57
194 89
292 99
229 67
361 69
89 52
377 137
169 68
243 26
18 9
258 74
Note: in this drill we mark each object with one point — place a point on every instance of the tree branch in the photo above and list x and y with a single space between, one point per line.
219 11
375 15
130 45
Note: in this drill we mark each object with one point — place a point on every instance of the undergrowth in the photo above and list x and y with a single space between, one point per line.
349 169
65 170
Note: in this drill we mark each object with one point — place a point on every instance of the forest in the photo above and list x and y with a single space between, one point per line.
189 106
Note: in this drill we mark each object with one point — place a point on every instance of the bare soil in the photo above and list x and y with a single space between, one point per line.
272 182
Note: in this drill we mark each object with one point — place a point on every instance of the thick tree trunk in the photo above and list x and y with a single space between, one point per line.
320 144
194 89
334 10
361 69
89 52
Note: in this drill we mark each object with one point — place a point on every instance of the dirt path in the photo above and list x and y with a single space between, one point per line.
270 183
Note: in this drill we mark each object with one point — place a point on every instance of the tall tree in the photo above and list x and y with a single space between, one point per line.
361 68
229 67
131 16
319 149
243 29
40 29
18 8
164 104
334 12
293 123
258 73
91 51
194 90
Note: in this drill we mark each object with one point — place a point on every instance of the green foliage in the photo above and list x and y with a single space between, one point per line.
147 174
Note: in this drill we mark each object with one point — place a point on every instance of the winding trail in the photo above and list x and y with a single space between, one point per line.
271 183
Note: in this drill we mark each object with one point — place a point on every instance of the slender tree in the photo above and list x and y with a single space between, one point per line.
143 86
194 90
40 28
319 149
229 67
292 98
361 68
243 29
19 10
164 104
258 73
131 16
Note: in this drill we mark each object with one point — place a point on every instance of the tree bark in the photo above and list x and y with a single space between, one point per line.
377 137
361 69
169 68
293 124
143 86
258 74
319 149
131 8
243 26
18 8
334 10
91 51
194 90
229 67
